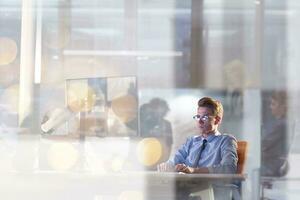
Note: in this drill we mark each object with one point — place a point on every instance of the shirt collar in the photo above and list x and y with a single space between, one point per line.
209 138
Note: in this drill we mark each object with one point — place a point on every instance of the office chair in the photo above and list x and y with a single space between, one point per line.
242 151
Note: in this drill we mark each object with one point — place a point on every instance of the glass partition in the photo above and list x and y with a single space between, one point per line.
120 80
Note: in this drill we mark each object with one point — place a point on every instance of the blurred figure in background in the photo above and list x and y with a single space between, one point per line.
235 83
154 124
275 138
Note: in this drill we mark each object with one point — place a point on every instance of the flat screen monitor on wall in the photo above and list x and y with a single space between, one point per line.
103 106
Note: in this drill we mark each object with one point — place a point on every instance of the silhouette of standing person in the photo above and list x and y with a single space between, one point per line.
274 143
154 124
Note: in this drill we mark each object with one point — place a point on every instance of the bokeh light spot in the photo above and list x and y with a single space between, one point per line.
125 107
62 156
8 50
81 97
149 151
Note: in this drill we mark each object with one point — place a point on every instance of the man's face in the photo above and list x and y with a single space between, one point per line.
278 110
206 122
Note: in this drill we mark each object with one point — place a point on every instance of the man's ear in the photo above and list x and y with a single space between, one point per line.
218 120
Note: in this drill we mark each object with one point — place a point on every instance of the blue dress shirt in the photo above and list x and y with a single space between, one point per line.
219 155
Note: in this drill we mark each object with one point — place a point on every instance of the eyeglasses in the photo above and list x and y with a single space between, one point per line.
203 118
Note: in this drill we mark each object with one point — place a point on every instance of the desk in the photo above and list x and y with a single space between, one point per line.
120 186
184 184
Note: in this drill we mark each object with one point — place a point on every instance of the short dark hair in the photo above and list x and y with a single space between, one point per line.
280 96
214 105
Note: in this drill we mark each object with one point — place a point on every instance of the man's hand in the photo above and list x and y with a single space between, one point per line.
190 170
185 169
165 167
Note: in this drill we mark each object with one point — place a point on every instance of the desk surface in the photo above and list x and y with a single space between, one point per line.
181 176
88 186
141 174
145 176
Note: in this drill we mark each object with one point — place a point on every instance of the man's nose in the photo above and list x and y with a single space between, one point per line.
200 121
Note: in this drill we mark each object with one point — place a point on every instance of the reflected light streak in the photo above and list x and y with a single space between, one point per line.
38 45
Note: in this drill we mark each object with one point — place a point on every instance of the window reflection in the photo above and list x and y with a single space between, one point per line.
237 51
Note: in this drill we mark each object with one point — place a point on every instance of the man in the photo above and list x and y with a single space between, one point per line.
209 151
274 160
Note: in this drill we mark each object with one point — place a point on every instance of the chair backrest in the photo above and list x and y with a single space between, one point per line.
242 148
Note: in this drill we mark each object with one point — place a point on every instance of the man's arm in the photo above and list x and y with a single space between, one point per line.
229 158
179 157
181 167
183 152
